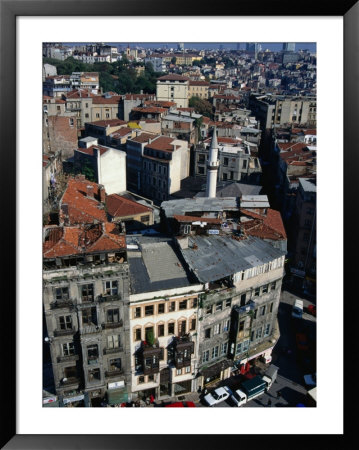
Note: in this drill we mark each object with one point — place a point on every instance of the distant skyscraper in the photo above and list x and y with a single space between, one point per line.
253 48
289 46
180 46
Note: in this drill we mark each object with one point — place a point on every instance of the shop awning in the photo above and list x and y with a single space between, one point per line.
115 396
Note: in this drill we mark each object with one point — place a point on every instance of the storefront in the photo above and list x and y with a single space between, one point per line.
49 402
73 402
95 398
182 387
117 393
212 375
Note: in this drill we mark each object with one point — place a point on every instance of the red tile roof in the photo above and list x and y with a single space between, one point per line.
74 240
198 83
118 206
144 137
121 132
110 123
150 109
159 103
173 77
265 227
180 218
162 143
107 101
81 208
80 93
90 150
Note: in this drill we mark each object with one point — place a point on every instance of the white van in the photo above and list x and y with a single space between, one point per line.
297 311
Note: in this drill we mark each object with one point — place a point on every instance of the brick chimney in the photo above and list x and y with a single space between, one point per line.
89 191
102 193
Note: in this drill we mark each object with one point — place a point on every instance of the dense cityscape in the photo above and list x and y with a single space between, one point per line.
179 225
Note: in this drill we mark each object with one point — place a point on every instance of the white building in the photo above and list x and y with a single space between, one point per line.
173 88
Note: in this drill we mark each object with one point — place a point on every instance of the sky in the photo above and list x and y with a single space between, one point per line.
273 46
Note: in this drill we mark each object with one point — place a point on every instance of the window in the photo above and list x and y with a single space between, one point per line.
161 330
87 292
70 372
219 306
65 322
94 374
145 218
224 348
113 315
241 326
149 310
255 314
187 229
207 333
265 289
141 380
209 309
271 307
68 349
245 346
114 364
92 353
188 369
61 293
113 341
107 115
193 324
256 292
138 334
266 330
244 164
179 372
215 352
194 303
239 347
252 335
217 329
171 328
97 115
87 116
172 307
89 316
161 308
205 356
137 312
149 333
228 302
87 105
226 326
182 327
262 310
225 161
259 333
272 286
243 299
183 304
111 287
151 378
71 121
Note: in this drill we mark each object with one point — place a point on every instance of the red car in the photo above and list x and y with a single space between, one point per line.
312 310
302 342
181 405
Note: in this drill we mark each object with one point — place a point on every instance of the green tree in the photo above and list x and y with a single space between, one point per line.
201 106
173 60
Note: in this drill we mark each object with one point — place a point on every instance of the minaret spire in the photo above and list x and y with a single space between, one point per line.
212 166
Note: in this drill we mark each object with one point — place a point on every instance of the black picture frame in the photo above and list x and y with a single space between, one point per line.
9 11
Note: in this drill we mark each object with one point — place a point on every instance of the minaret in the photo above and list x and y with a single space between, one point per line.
212 166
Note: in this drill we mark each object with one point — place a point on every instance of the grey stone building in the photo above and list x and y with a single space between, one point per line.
85 295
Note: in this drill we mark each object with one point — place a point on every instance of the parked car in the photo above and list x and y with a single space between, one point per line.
181 405
218 395
310 380
302 342
312 309
239 398
297 311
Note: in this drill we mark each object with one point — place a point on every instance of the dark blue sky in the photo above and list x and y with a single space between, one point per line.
274 46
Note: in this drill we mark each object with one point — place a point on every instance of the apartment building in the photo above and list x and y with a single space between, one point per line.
173 88
85 296
198 89
165 162
163 320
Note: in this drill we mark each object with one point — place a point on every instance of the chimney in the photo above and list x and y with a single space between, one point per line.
89 191
102 193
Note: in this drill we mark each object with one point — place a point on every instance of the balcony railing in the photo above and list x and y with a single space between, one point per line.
108 325
109 298
68 303
91 329
64 332
67 358
110 351
113 373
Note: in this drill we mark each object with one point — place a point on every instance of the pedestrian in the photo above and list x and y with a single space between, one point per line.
152 399
279 394
269 402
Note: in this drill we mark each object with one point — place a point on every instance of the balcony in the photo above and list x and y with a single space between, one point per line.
152 354
66 332
109 298
184 348
113 373
68 358
247 308
91 329
111 351
66 303
70 381
109 325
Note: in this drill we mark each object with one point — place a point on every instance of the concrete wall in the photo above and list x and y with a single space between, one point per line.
113 171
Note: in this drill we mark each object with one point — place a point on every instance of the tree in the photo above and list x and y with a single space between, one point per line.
201 106
173 60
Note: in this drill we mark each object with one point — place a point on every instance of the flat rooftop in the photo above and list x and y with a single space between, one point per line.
215 257
199 204
154 264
